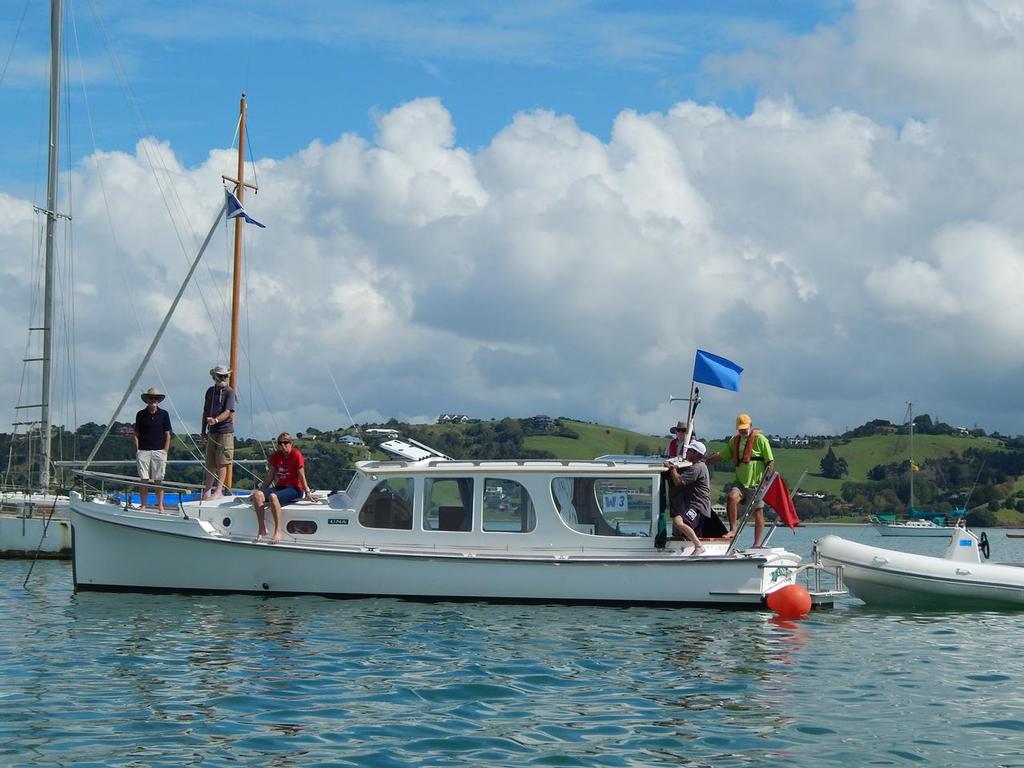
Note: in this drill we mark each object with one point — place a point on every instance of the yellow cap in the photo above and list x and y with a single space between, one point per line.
743 421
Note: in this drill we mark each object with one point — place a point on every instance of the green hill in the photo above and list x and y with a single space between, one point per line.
945 480
863 453
595 440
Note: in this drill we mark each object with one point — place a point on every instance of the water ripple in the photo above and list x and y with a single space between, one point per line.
175 680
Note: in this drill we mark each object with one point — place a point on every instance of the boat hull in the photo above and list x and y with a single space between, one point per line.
115 550
32 525
886 577
898 529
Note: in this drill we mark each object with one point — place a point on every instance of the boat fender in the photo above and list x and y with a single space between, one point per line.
983 544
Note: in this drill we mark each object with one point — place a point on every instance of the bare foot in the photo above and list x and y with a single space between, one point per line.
161 510
697 551
728 535
260 535
277 538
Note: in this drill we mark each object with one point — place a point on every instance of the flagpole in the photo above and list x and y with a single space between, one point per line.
691 411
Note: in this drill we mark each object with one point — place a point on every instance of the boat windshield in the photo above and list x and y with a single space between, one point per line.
605 506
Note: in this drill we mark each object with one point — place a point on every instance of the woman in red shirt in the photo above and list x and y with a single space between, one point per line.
285 483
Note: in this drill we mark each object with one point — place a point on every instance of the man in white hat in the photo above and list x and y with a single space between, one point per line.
218 428
152 441
690 495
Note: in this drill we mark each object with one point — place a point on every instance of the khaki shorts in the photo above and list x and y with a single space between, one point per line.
151 464
746 493
220 450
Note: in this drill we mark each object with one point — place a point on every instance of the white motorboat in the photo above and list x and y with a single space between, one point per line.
433 528
959 579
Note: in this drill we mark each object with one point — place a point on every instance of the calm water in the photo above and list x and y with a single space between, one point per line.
174 680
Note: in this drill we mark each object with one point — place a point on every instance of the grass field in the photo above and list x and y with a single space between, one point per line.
594 440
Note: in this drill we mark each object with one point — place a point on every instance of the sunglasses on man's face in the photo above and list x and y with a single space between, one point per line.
284 442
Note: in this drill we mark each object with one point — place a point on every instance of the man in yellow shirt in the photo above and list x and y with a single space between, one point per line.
751 454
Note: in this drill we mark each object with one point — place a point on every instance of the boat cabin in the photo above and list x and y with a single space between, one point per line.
506 504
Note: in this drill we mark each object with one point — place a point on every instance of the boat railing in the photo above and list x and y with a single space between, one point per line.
817 574
520 462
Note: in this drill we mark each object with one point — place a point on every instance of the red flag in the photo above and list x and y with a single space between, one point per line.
777 497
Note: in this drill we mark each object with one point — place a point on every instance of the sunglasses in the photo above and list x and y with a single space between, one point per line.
221 376
284 442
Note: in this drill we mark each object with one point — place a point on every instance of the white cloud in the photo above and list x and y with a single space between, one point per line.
852 247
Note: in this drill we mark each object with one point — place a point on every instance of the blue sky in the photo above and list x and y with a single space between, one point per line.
317 69
535 207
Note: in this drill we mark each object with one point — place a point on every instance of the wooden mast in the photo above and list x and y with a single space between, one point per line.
236 272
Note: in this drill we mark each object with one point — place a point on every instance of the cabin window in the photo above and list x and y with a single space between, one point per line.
305 527
507 507
389 505
448 504
605 506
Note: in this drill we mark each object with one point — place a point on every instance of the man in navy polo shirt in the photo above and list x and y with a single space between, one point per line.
152 441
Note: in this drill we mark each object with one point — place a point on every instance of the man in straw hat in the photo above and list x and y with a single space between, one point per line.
677 446
218 428
152 441
751 454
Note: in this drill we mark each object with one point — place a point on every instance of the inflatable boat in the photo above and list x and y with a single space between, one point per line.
961 579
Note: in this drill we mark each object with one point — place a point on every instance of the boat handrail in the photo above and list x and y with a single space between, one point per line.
539 463
135 481
169 462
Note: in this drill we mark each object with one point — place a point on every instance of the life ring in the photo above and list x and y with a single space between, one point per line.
983 544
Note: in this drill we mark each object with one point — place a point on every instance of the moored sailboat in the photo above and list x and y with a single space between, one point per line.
917 522
35 521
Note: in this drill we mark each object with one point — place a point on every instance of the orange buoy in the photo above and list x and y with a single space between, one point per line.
790 602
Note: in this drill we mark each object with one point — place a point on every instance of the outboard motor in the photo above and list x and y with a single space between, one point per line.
965 547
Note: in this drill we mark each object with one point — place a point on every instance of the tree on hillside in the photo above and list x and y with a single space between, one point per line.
832 466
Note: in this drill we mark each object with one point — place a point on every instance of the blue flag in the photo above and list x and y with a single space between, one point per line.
716 371
235 210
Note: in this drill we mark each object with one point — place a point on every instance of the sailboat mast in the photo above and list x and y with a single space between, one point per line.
910 413
236 273
51 217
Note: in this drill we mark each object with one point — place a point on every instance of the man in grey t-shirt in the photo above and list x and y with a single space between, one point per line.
690 495
218 428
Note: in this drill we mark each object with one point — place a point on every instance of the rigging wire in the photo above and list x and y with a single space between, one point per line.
14 43
156 166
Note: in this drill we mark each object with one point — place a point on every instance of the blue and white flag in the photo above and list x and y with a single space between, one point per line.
235 210
716 371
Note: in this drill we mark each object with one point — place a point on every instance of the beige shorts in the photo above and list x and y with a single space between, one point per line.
745 494
220 450
151 464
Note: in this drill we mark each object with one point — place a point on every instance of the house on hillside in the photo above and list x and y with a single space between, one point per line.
351 440
452 418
